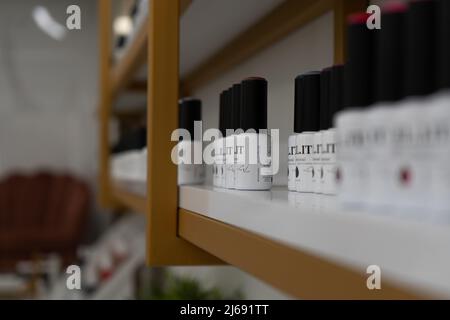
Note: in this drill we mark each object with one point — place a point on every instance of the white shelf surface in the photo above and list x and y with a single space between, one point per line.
410 252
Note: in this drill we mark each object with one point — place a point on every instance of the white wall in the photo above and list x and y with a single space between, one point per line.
48 90
310 48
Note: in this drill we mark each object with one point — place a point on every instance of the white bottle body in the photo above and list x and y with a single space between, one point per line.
303 160
292 150
328 160
230 143
215 170
351 166
380 172
252 172
440 163
410 155
191 173
220 162
317 163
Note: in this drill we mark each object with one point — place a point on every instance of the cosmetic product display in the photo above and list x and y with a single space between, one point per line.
307 100
358 79
331 102
233 120
318 149
394 153
129 166
219 145
292 140
253 169
190 169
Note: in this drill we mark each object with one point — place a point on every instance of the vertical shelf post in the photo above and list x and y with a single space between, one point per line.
104 11
164 247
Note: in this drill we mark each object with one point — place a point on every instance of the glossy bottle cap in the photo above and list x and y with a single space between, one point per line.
420 78
221 113
325 99
390 44
190 110
307 102
359 70
228 110
236 110
254 104
443 49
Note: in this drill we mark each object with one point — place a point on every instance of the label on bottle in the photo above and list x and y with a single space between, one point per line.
317 173
292 151
328 161
304 165
230 146
253 170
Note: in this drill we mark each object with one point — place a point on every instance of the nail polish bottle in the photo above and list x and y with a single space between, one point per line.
190 110
410 136
358 83
253 169
234 123
318 178
292 140
332 95
388 91
440 117
219 145
307 100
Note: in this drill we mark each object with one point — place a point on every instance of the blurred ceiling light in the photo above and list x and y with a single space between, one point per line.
123 25
46 23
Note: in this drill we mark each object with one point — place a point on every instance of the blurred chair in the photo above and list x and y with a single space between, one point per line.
40 214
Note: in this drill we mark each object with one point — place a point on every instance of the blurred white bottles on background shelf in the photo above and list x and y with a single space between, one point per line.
307 100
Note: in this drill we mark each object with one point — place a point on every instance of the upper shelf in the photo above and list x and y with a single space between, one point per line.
136 55
123 72
411 254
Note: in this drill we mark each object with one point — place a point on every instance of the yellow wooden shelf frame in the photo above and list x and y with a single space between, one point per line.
176 236
129 200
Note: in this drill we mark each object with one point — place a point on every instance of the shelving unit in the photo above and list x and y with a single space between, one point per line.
306 251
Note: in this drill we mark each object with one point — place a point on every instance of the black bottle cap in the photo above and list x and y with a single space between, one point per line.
443 48
360 62
236 110
420 48
307 102
390 50
221 113
254 104
228 109
190 110
325 99
298 102
336 92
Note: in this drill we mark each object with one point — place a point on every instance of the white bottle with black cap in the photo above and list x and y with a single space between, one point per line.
352 172
190 110
307 98
439 117
219 145
253 149
230 141
334 79
388 90
292 140
318 178
410 143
